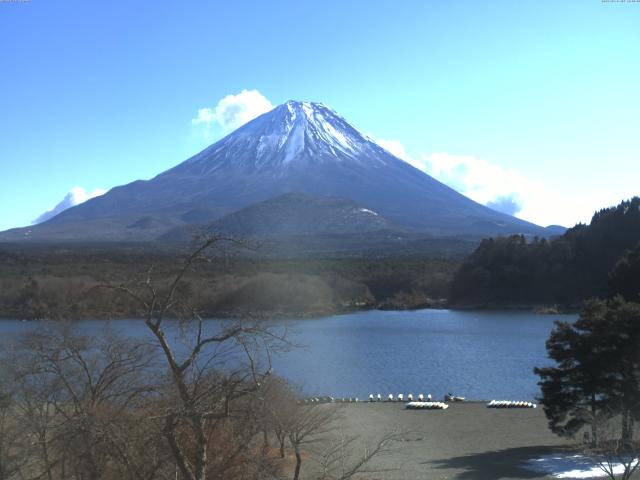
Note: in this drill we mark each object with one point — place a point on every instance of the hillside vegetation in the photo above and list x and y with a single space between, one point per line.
57 283
587 261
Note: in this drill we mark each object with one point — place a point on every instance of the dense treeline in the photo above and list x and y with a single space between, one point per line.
55 283
582 263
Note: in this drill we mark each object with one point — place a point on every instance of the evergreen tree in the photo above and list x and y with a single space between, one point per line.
572 390
597 372
624 279
621 356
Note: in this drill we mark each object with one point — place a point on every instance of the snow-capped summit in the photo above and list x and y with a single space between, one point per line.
293 135
298 147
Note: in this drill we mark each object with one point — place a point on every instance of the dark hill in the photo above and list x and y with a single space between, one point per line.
294 214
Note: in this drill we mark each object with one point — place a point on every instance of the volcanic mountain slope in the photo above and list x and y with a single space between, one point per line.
299 225
296 147
297 214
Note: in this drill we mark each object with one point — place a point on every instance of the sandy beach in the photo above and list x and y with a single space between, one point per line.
467 441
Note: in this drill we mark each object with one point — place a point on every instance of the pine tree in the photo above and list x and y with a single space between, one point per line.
572 390
597 372
624 279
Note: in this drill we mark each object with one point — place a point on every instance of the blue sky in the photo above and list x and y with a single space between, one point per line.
532 105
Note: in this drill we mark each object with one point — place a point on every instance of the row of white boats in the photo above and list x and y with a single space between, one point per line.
427 405
421 402
390 398
510 404
491 404
400 398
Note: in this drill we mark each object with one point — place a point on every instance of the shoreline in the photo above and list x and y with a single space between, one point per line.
310 315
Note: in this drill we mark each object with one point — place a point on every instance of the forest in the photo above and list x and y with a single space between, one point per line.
67 283
587 261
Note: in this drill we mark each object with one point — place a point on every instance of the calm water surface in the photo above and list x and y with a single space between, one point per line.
480 355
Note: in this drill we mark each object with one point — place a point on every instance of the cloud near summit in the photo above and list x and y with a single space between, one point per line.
501 189
233 111
75 196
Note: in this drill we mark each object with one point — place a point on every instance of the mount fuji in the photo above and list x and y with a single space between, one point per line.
298 148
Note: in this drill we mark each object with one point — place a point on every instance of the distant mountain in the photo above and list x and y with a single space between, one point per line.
296 147
553 230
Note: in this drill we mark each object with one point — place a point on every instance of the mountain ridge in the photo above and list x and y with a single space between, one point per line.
296 147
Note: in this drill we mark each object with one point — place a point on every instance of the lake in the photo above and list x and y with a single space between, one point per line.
477 354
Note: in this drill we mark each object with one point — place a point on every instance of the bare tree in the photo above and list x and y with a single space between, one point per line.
214 368
36 410
309 424
12 440
279 404
75 400
344 456
614 452
315 430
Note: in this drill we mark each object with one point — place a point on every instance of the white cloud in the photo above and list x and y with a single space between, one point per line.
499 188
205 116
75 196
506 189
509 204
478 179
502 189
394 147
233 111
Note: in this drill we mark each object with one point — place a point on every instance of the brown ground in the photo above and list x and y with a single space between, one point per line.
467 441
